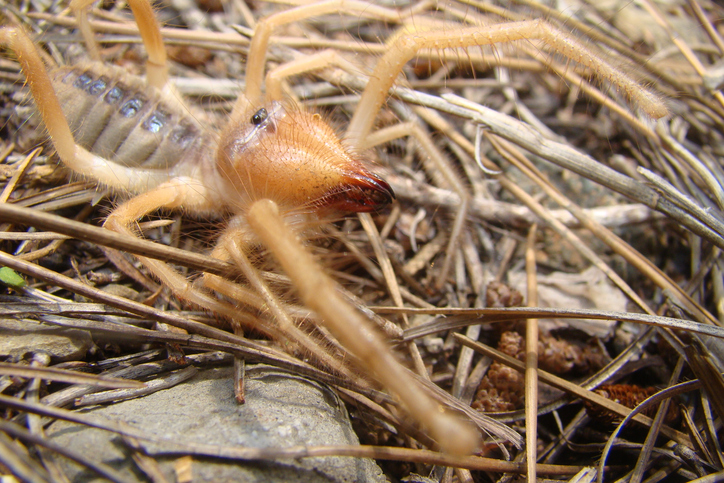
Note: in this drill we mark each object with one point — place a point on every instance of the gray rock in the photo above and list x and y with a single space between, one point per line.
281 410
19 337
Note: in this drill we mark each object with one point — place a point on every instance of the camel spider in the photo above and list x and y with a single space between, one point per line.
274 167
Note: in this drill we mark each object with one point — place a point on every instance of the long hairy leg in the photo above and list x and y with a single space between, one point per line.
262 33
183 192
233 246
355 333
320 60
150 30
173 194
404 47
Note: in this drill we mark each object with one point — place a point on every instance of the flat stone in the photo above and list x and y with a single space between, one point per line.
20 337
281 410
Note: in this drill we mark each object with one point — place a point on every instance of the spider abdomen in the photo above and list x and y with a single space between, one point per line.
116 117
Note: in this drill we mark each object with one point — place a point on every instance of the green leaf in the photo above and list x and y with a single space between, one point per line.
11 278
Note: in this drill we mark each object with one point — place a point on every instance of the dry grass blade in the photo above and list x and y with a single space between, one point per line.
531 359
470 316
70 377
635 413
564 156
661 414
150 387
29 217
19 463
22 434
711 377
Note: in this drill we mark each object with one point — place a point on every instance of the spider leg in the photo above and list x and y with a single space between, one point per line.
150 30
354 332
80 8
404 47
264 28
234 246
184 192
320 60
174 194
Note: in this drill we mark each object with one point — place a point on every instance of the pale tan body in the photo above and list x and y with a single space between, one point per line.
289 162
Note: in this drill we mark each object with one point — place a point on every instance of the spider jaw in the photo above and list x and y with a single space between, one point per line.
297 160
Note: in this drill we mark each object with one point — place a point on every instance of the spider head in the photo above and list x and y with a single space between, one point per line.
297 160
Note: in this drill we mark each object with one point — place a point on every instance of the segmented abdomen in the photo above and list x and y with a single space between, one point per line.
119 119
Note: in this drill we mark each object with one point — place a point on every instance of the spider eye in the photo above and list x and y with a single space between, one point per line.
259 117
